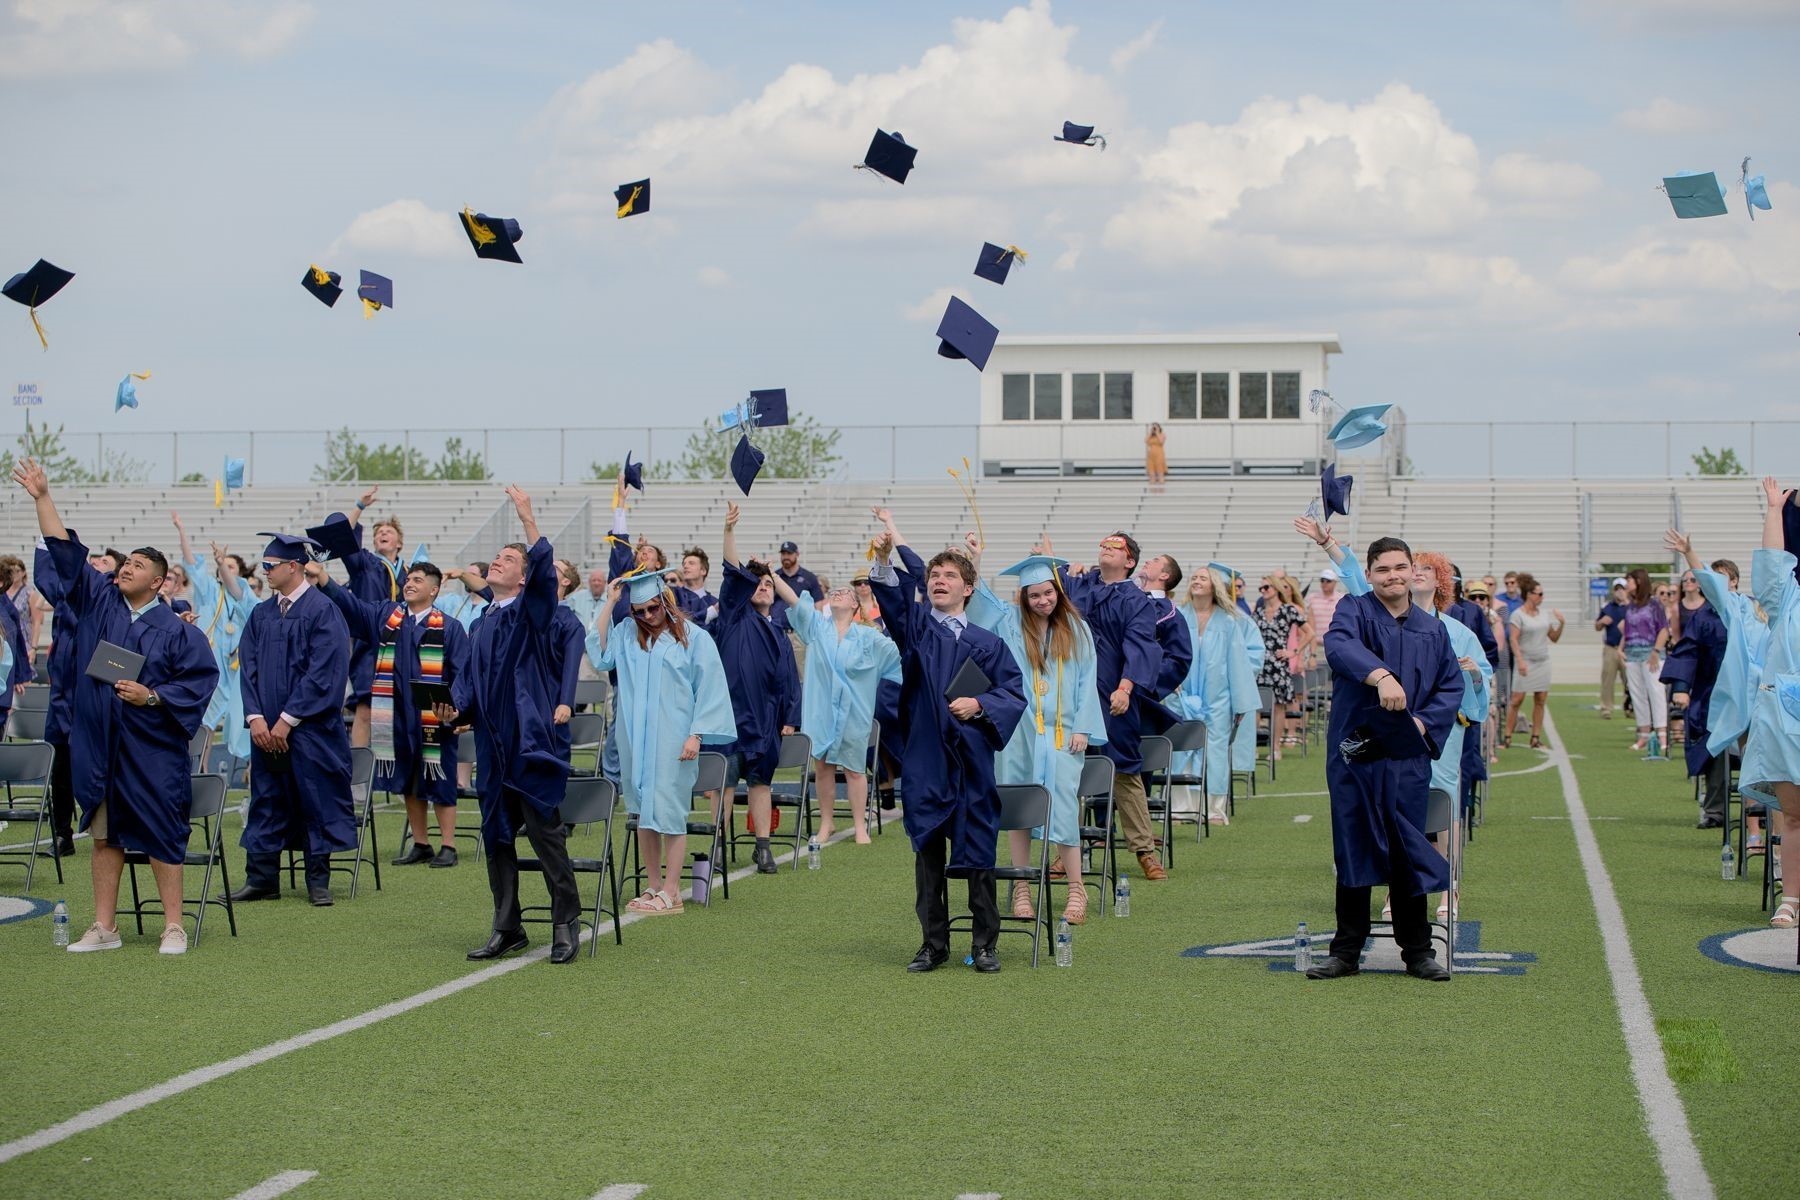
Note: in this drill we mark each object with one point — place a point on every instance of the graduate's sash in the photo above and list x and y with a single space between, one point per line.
381 695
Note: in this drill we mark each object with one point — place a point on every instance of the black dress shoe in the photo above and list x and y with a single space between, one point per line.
764 858
928 959
320 897
419 853
985 960
564 941
445 857
888 800
246 894
1333 968
1705 823
65 846
1428 969
500 943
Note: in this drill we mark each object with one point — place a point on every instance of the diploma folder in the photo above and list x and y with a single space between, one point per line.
970 681
429 692
112 663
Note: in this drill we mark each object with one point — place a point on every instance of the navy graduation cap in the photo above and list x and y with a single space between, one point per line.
1334 491
376 292
746 461
633 198
492 237
889 155
288 548
763 410
326 286
1079 135
996 261
336 538
34 287
634 473
965 333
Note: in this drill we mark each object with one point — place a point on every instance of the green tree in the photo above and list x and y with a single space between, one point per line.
801 450
347 456
459 463
46 446
1723 462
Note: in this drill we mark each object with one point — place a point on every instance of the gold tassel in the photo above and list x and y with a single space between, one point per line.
625 208
1016 252
481 233
38 325
321 277
968 491
370 308
218 493
140 374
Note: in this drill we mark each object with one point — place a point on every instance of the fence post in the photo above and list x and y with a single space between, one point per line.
894 453
174 458
1574 449
99 455
406 454
1668 450
1490 426
562 458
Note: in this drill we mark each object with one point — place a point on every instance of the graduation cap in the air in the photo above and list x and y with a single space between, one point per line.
419 555
996 261
1756 190
1079 135
1359 427
288 548
746 461
1316 397
965 333
889 155
375 292
1695 194
1334 491
634 473
633 198
336 538
492 237
126 396
1035 569
230 479
34 287
763 409
326 285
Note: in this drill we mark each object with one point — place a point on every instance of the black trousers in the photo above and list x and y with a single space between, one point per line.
62 793
263 871
1717 788
1412 932
932 902
551 846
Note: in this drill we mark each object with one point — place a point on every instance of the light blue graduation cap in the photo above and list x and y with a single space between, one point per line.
1695 194
1219 568
1035 569
1316 397
419 555
1359 427
643 586
126 397
233 475
1756 190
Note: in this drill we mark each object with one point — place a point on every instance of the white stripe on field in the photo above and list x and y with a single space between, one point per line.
1663 1111
277 1185
979 1196
1302 818
621 1191
187 1081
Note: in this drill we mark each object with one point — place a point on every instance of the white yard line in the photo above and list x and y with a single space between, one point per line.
277 1185
1664 1115
621 1191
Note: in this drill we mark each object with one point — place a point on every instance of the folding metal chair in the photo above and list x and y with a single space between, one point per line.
34 697
1022 806
1186 737
207 810
1443 814
198 746
27 765
840 796
465 753
27 724
1265 731
1155 754
368 841
796 754
1095 795
710 778
592 695
587 734
589 800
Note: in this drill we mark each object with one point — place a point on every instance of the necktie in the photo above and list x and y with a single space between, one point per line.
285 603
956 627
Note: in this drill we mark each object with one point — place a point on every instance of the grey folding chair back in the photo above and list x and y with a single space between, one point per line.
1265 733
26 766
27 724
1023 806
1189 737
587 733
362 808
35 697
1156 754
588 800
796 755
206 808
1095 795
198 745
592 694
709 777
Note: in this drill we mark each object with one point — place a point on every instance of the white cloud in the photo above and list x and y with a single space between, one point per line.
931 308
1664 116
45 38
1530 186
714 277
899 217
1727 254
1123 56
405 227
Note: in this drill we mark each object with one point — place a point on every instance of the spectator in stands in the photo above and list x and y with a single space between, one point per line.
1512 597
1156 459
1532 631
1276 618
1611 624
1320 604
1493 585
1646 635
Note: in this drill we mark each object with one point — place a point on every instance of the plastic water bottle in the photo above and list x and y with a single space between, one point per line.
1302 949
1122 897
1728 863
59 925
1065 944
812 854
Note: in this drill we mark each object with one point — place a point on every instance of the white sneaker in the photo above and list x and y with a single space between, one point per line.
174 940
96 938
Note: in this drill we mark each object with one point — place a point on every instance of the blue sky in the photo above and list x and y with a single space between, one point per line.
1464 193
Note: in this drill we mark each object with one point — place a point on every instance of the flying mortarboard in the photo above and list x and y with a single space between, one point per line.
1756 190
492 237
889 155
420 554
762 410
1695 194
746 461
1359 427
126 397
1079 135
288 548
375 292
336 538
327 286
229 480
996 261
34 287
633 198
634 473
965 333
1334 491
1036 569
1316 397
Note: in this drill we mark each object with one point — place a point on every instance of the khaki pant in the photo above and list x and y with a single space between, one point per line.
1609 678
1134 813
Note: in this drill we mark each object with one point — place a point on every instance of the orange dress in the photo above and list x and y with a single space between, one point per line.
1156 463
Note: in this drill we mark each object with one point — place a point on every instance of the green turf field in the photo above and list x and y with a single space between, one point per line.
772 1046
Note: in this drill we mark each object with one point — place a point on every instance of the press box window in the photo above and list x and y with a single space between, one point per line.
1015 398
1084 397
1118 396
1046 402
1184 396
1215 396
1253 395
1284 400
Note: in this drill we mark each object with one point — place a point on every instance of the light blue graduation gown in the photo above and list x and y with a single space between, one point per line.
1446 768
837 702
666 694
1220 685
1772 753
222 620
1243 746
463 608
1740 671
1071 703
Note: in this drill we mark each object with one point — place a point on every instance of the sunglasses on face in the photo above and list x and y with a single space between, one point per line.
269 564
1112 543
649 610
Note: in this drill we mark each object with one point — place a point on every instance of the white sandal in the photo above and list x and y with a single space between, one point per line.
1787 913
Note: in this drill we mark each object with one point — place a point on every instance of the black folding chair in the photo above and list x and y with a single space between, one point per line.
34 697
368 841
27 765
1095 795
1022 806
796 754
589 800
587 735
207 810
465 753
27 724
198 746
710 778
840 796
1155 755
1265 732
1185 737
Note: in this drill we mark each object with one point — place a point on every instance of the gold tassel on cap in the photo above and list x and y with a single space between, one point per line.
321 276
1016 253
963 481
370 308
39 326
481 233
630 201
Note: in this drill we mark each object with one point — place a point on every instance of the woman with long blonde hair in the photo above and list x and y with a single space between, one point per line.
1220 686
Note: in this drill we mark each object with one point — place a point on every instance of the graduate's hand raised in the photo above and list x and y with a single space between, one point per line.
690 749
1392 695
965 708
1042 546
368 497
731 515
28 475
973 542
1772 492
1679 542
1313 531
315 574
175 519
884 546
561 715
884 515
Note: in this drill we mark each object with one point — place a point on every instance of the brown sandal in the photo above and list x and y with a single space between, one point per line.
1021 905
1075 911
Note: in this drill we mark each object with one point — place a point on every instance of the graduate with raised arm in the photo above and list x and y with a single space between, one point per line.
62 672
764 684
1054 652
508 693
952 809
413 640
1220 687
1737 671
672 699
222 604
128 740
294 663
375 575
1396 689
1159 577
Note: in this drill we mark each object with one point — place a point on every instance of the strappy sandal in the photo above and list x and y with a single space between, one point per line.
1537 743
1075 911
655 904
1787 913
1021 905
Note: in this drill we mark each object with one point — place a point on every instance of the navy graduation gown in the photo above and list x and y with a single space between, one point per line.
63 630
1375 803
1122 617
133 758
298 665
1177 656
759 670
949 764
375 579
1693 664
568 645
366 620
509 693
14 630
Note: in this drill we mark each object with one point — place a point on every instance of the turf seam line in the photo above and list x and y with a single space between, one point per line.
277 1185
1664 1116
112 1110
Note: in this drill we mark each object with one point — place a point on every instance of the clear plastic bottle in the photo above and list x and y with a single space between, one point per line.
1122 897
1302 948
1728 863
59 925
1065 944
812 854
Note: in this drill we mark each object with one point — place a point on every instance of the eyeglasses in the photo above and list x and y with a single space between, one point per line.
1263 587
648 610
1112 543
269 564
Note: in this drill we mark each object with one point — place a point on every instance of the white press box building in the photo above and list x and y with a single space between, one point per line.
1230 403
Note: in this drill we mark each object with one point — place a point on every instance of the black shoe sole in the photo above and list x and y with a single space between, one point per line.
439 866
478 956
258 896
917 968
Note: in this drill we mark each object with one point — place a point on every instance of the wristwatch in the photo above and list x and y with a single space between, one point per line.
153 700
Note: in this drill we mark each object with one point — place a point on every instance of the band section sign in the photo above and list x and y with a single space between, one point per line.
27 396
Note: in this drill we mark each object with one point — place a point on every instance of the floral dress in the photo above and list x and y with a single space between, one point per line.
1274 673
